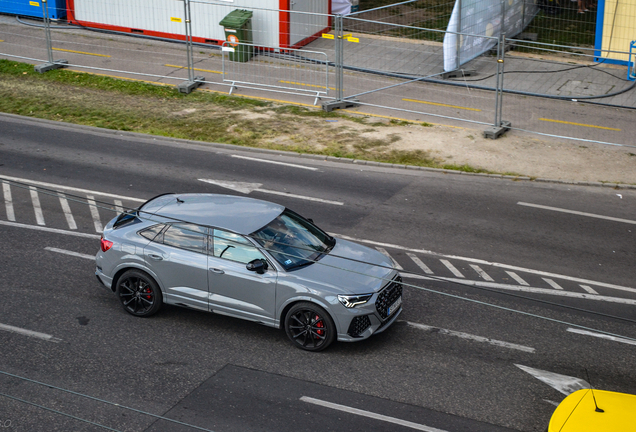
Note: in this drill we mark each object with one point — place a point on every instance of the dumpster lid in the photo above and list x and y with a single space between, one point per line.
236 19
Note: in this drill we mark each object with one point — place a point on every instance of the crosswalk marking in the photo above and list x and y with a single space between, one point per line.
588 289
37 208
482 273
67 211
119 207
94 213
8 202
452 268
385 253
553 284
419 263
516 277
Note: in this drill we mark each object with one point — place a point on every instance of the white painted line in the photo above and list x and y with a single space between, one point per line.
370 414
275 162
51 230
72 189
8 201
71 253
561 383
95 214
518 279
452 268
482 273
633 222
553 284
419 263
30 333
67 211
602 336
489 263
119 206
37 208
472 337
588 289
386 254
306 198
508 287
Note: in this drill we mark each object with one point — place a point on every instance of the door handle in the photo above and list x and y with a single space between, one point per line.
217 271
155 257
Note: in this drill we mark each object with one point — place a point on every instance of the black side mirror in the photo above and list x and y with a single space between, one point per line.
258 265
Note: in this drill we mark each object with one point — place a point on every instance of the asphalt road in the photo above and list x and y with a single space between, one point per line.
448 364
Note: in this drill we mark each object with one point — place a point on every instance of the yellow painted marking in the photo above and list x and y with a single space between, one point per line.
1 40
580 124
174 19
352 39
81 52
348 35
200 70
36 4
328 36
305 85
441 104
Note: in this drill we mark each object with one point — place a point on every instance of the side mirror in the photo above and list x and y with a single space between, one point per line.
258 265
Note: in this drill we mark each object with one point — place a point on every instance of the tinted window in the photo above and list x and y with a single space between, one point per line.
151 233
186 236
234 247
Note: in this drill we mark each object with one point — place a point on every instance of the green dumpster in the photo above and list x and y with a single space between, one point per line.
238 34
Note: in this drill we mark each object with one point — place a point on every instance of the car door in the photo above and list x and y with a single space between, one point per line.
234 289
178 256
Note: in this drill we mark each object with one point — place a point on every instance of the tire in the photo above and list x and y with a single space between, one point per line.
309 327
139 294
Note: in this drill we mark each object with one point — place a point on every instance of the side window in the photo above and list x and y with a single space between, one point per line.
151 233
234 247
186 236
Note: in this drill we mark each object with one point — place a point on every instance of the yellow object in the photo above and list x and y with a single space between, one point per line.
328 36
577 412
174 19
619 28
36 4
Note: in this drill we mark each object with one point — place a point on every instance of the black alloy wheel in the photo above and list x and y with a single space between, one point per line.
139 293
309 327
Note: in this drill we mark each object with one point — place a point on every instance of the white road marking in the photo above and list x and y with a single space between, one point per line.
419 263
633 222
482 273
556 404
370 414
489 263
518 279
8 201
386 254
119 206
452 268
472 337
275 162
247 188
37 208
553 284
67 211
51 230
95 213
71 253
562 383
602 336
30 333
588 289
69 188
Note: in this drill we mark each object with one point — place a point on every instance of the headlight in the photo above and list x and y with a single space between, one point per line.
350 301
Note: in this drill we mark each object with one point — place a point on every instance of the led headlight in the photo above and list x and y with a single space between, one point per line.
350 301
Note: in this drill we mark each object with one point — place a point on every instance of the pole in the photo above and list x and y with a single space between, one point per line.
51 64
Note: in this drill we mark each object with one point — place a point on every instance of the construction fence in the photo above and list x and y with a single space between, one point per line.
392 60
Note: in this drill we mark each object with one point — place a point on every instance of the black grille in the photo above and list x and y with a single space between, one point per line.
358 325
388 296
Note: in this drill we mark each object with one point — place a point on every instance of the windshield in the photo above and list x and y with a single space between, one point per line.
293 241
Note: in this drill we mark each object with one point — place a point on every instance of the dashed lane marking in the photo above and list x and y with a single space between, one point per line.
95 214
452 268
37 208
8 201
602 336
592 215
386 254
67 211
441 104
51 230
552 283
81 52
419 263
471 337
276 162
579 124
482 273
200 70
70 253
30 333
119 206
518 279
588 289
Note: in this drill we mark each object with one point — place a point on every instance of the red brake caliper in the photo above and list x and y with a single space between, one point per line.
148 290
319 324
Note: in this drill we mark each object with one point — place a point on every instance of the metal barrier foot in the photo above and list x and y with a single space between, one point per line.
459 73
57 64
187 86
342 104
497 131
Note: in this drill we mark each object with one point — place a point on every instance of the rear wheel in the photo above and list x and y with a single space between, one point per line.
138 293
309 327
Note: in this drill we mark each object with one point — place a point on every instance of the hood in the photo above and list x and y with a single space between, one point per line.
360 274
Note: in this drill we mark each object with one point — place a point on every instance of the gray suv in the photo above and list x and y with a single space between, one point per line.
249 259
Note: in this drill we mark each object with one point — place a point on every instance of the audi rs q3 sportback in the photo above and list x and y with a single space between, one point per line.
249 259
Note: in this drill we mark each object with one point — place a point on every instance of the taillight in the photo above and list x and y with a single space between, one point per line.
105 244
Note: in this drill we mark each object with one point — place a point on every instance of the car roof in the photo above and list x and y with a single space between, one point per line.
234 213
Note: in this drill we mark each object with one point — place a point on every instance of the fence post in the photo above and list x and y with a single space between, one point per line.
458 36
193 81
51 64
500 126
340 102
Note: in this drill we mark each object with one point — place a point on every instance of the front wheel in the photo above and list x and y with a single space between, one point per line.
309 327
138 293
